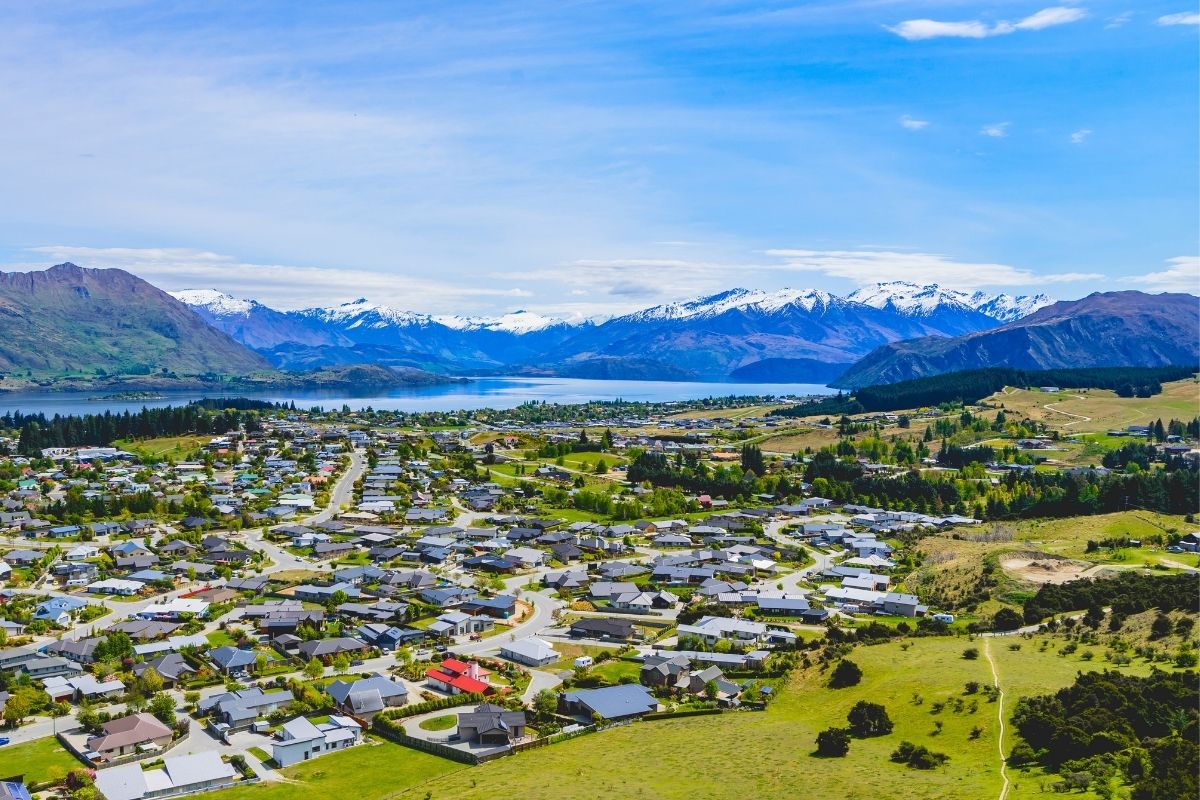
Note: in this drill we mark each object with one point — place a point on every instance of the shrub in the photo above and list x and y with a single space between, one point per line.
971 653
833 742
846 673
918 756
869 719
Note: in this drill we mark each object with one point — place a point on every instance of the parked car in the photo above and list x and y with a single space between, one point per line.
4 740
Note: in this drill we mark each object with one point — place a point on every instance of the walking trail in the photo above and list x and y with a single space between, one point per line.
987 652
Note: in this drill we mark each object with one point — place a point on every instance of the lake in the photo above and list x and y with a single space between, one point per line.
479 393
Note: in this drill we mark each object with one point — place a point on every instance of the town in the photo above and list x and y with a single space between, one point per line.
200 612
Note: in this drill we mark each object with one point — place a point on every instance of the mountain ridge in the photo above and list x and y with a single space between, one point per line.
709 337
1104 329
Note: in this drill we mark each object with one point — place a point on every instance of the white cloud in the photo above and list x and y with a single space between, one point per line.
996 130
1182 18
278 285
1080 135
913 124
918 29
1049 17
1182 276
1119 20
872 266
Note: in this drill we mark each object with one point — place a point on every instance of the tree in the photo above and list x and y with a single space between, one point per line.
16 709
833 742
545 703
152 682
341 663
314 669
869 719
1161 626
1006 620
971 653
163 707
846 673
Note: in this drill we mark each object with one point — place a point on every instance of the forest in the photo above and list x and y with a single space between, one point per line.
1108 725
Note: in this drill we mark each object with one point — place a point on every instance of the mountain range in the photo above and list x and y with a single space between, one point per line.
795 335
76 327
1100 330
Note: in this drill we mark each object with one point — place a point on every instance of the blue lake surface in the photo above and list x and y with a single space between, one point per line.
479 393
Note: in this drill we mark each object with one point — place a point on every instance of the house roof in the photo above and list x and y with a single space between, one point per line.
615 702
124 731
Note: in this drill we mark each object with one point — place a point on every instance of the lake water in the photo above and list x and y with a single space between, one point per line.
479 393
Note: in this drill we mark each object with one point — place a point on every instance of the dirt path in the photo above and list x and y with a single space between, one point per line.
987 652
1078 418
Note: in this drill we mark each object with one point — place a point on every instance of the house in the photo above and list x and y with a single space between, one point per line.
58 609
172 668
458 677
609 703
176 609
490 724
904 605
231 660
368 696
116 586
500 607
532 652
456 623
299 739
198 772
82 687
132 734
713 629
328 648
600 628
13 790
240 709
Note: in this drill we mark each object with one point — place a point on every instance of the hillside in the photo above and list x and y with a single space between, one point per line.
1103 329
70 320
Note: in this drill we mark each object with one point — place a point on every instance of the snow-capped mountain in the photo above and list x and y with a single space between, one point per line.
788 333
756 301
1006 307
518 322
214 302
915 300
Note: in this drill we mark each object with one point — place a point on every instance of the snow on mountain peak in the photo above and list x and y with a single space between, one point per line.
518 322
747 300
916 300
216 303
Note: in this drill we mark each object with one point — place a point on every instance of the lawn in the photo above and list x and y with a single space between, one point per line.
366 772
38 761
442 723
219 638
688 758
616 669
167 445
1106 411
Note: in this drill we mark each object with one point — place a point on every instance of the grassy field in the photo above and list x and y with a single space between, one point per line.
39 761
953 568
177 446
768 755
367 772
1102 408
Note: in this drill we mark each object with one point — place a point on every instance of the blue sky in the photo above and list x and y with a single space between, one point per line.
584 158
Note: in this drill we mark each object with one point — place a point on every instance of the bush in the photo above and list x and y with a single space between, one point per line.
918 756
1006 620
869 719
971 653
846 673
833 742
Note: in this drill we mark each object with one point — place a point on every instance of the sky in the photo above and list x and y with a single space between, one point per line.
589 158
